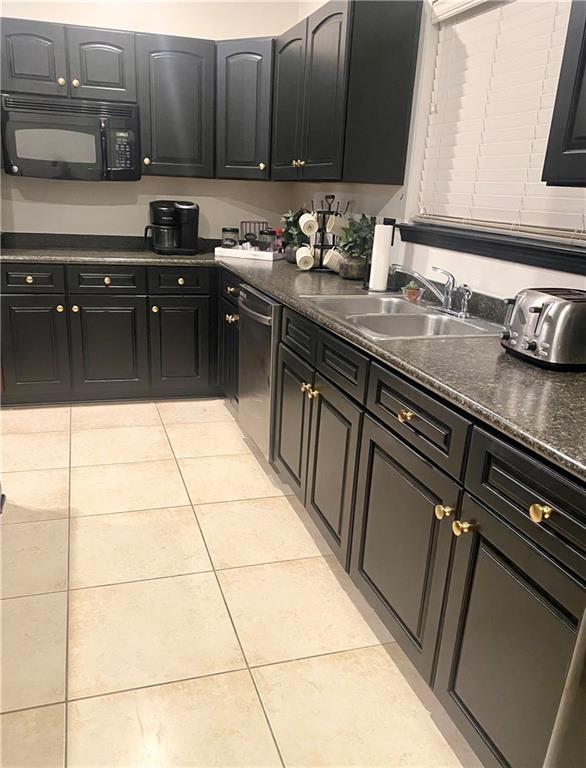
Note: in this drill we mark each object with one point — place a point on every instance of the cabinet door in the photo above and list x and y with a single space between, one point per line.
176 101
228 350
508 637
400 549
35 353
243 103
33 57
333 446
292 415
288 86
180 343
109 350
326 76
101 64
565 159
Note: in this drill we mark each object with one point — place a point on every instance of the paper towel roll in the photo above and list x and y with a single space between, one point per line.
381 258
304 257
308 224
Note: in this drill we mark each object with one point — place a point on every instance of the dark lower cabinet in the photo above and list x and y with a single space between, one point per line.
400 549
180 343
228 350
292 419
333 447
35 349
176 102
509 632
109 345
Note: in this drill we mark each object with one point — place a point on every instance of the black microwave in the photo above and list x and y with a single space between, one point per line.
83 140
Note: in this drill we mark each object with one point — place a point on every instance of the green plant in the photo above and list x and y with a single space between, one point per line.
357 238
292 234
412 285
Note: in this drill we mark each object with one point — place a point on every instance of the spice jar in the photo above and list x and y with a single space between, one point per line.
266 239
230 237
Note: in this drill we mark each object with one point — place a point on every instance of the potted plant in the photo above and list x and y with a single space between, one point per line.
412 291
293 237
356 243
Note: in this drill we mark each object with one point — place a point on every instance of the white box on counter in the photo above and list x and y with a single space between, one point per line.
241 253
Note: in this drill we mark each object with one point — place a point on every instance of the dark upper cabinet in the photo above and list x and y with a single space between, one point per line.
180 342
509 633
243 105
400 547
33 57
109 348
292 419
322 141
288 95
101 64
35 350
332 459
176 101
228 350
565 159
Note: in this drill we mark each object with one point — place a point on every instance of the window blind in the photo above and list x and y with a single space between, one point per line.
494 89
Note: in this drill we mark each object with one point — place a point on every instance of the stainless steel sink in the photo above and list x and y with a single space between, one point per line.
414 326
361 305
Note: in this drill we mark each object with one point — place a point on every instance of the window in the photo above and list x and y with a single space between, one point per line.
495 82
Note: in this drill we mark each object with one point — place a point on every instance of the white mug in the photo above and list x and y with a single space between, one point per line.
308 224
304 257
332 259
335 225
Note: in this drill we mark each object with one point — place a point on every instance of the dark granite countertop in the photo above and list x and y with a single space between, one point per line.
543 410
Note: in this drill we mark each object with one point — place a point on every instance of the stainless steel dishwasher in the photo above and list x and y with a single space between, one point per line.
260 325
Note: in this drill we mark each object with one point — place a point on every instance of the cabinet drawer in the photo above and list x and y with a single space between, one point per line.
179 280
342 364
230 287
98 279
510 481
431 427
300 335
32 278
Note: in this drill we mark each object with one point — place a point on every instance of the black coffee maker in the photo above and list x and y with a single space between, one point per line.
173 227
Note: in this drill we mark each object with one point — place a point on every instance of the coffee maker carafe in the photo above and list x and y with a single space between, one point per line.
173 227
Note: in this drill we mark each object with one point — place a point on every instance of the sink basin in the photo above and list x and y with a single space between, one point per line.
414 326
362 305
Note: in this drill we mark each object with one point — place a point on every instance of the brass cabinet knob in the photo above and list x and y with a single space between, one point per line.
231 290
155 309
75 308
300 163
441 511
232 319
29 279
405 416
305 387
180 281
75 83
540 512
262 166
311 393
59 307
458 527
107 280
60 81
147 161
228 318
295 163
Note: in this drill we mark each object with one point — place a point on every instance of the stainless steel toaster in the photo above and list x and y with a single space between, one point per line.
547 326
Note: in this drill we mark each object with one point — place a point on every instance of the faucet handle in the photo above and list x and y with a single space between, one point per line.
465 292
450 277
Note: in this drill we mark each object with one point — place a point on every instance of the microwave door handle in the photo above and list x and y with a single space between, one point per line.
104 146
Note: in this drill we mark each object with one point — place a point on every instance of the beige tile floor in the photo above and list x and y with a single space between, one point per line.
165 602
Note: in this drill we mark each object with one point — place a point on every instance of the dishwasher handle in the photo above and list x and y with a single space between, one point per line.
254 315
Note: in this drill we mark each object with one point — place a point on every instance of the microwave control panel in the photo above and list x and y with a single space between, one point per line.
121 146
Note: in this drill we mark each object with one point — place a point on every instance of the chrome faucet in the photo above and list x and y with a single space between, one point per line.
445 296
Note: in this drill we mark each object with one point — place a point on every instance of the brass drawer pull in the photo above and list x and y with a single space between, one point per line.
59 307
458 527
29 279
75 308
231 290
441 511
232 319
180 281
155 309
311 393
405 416
305 387
540 512
107 280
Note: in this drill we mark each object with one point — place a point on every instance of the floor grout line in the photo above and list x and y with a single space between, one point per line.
66 689
268 722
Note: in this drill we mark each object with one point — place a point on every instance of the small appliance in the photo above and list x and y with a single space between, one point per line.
82 140
547 326
173 228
